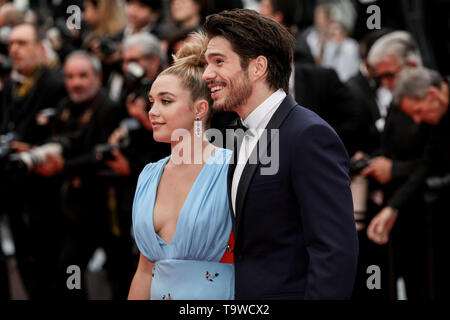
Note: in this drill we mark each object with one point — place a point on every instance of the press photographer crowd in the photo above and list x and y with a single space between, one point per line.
75 132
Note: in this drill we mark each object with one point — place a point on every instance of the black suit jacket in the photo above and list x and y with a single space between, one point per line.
366 103
295 232
320 90
84 137
404 142
19 114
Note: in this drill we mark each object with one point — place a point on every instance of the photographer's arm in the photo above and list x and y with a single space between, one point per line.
53 165
403 169
19 146
381 225
120 164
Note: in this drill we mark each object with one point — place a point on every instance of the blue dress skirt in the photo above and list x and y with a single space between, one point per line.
188 267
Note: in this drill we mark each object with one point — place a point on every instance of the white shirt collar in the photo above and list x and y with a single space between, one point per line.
259 117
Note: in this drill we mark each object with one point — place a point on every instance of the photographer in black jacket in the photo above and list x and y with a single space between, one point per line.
142 61
402 143
424 96
85 118
29 89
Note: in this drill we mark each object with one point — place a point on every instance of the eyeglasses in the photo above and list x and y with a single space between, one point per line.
386 75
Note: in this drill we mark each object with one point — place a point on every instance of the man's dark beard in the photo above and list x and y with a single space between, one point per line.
238 97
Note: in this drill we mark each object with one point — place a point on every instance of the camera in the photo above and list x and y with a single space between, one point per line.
29 160
135 72
134 81
436 188
103 152
5 66
107 46
5 144
5 147
437 183
46 116
356 166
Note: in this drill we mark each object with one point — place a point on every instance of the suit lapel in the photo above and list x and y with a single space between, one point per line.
231 168
249 170
368 91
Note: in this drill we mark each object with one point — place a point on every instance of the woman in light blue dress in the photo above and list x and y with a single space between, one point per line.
181 214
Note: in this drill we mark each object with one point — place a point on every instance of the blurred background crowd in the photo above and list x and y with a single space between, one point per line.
74 131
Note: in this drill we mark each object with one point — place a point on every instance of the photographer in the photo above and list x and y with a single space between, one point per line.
86 118
424 96
27 198
142 61
402 143
105 21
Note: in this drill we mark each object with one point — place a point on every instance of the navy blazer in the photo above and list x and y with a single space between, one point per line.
295 231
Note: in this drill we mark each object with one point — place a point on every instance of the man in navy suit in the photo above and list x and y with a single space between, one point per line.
294 227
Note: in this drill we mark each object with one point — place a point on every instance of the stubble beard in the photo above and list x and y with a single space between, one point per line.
239 95
85 96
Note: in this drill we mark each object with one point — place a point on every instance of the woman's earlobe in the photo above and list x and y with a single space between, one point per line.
201 108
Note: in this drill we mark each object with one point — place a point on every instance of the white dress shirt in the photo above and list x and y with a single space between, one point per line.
384 99
256 122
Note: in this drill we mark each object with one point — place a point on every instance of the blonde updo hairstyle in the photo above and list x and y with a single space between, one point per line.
189 65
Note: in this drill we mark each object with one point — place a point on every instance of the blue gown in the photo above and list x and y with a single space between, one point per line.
188 267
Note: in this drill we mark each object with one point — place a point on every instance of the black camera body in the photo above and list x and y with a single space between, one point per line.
5 66
135 83
437 183
103 152
437 187
5 145
27 161
356 166
5 150
107 46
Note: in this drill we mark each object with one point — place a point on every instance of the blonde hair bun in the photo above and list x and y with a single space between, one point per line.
191 54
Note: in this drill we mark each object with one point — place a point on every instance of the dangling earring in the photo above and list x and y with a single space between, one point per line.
198 127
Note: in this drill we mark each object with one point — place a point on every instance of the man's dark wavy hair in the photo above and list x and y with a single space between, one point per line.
251 35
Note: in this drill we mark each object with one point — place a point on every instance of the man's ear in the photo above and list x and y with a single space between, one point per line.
201 108
434 92
444 93
100 77
258 68
41 51
440 94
